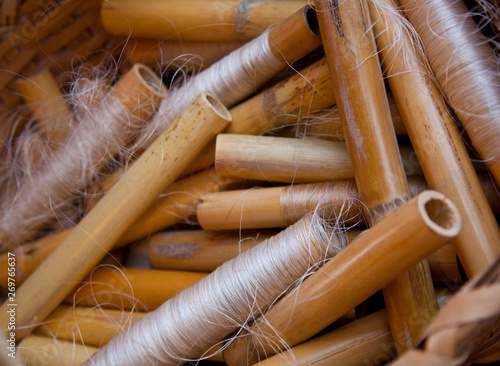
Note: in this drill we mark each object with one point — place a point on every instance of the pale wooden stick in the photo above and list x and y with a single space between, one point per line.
376 258
42 95
289 160
435 137
371 141
45 351
131 288
194 20
102 227
190 56
88 326
196 250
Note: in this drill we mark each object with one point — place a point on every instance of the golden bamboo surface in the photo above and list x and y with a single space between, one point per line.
88 326
173 55
99 231
375 259
204 251
436 139
42 95
37 350
194 20
131 288
351 52
290 160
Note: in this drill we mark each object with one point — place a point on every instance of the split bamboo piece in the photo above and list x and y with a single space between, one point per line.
371 141
88 326
42 95
376 258
262 208
190 56
45 351
290 160
435 137
194 20
196 250
99 231
366 341
176 204
131 288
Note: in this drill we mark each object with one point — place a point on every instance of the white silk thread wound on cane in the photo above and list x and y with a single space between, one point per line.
231 79
188 325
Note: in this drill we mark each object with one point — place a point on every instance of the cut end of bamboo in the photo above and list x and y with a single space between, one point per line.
440 214
150 79
217 106
311 21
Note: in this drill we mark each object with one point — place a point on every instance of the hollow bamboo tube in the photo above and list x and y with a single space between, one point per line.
211 21
99 231
371 141
178 203
196 250
44 98
366 341
45 351
376 258
436 139
289 160
87 326
466 68
278 206
131 288
190 56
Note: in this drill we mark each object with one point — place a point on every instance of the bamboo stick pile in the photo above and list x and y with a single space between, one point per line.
262 183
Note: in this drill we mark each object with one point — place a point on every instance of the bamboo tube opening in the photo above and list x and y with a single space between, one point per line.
217 106
150 79
439 213
311 21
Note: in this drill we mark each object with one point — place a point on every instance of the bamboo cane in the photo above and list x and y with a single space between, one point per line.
289 160
376 258
371 141
98 232
42 95
131 288
45 351
211 21
200 250
436 139
87 326
178 203
190 56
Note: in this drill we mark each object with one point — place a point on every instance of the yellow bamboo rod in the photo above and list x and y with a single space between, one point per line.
88 326
45 351
376 258
190 56
42 95
99 231
176 204
371 141
196 250
289 160
435 137
194 20
131 288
